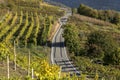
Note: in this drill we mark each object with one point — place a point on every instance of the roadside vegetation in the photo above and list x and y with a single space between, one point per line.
93 45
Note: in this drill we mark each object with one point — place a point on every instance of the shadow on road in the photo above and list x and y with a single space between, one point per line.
58 44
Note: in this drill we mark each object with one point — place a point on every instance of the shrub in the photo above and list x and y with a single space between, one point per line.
72 38
102 45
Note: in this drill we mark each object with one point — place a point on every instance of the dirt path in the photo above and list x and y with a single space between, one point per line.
53 30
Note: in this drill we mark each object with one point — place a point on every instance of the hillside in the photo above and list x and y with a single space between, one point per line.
84 37
25 27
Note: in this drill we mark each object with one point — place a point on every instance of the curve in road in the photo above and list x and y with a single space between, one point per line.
58 50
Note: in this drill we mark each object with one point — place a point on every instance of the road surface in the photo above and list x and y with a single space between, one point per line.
58 50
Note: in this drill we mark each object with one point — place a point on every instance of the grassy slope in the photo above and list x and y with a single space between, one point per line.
86 25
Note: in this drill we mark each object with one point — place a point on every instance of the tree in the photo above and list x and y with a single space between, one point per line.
83 9
116 18
99 44
72 38
113 58
87 11
106 15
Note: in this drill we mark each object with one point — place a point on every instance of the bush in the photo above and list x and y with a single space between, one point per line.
113 58
102 45
72 38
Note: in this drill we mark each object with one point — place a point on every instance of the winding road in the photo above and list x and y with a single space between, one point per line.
58 50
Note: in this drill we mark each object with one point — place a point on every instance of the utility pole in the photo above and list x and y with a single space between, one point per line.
14 56
29 65
32 73
8 71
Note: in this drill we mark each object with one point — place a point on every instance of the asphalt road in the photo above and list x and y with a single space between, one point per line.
58 50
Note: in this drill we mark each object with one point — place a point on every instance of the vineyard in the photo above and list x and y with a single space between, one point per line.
27 24
25 28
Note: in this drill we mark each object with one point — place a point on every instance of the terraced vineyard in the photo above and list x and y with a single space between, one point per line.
27 22
25 28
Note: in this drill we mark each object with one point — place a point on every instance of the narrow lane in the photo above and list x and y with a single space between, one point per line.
58 51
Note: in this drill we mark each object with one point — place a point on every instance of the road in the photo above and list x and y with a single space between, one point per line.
58 50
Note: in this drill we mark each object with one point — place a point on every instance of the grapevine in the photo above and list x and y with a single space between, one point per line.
7 19
24 28
36 30
29 31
